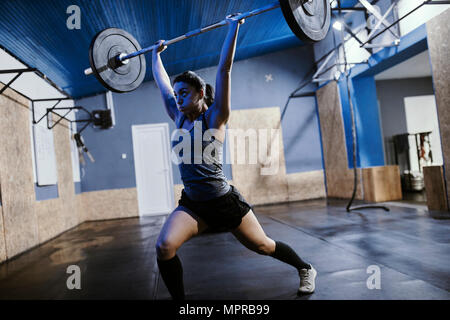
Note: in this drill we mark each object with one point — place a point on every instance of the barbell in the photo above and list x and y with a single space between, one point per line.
117 60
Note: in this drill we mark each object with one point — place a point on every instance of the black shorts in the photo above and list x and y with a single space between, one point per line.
221 214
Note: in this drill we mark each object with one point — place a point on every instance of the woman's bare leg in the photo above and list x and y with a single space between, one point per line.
178 228
251 234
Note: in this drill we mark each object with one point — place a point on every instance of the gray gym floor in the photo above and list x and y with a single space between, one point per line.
117 258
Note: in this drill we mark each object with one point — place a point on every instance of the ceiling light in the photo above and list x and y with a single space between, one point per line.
337 25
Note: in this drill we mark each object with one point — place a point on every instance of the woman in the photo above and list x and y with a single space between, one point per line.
208 201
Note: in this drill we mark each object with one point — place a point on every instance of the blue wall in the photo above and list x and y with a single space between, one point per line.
46 192
249 90
368 126
51 191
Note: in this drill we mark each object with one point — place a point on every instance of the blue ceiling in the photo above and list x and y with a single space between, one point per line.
35 31
349 3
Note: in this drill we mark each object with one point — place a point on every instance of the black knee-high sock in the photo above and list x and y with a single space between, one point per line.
172 273
285 253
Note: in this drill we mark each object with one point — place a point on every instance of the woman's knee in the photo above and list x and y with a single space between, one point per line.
166 249
266 247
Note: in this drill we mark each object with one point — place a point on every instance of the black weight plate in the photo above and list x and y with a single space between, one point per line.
105 46
308 20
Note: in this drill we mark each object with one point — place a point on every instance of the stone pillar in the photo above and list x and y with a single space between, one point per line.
438 33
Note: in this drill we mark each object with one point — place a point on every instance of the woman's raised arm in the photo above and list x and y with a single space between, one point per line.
222 100
163 81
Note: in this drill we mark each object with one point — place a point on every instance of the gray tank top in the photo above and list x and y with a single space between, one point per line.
201 169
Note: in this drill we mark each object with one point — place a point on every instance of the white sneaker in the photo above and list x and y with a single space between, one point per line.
307 280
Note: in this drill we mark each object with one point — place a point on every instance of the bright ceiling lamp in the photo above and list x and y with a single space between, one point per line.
337 25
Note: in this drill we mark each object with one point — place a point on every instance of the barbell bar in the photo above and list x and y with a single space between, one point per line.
113 51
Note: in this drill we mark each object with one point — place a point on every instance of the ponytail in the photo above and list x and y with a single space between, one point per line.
209 95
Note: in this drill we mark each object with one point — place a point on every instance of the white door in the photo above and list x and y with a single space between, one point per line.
154 183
